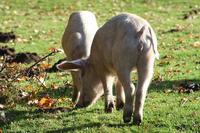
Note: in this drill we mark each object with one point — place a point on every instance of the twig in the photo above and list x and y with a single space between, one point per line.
29 68
41 82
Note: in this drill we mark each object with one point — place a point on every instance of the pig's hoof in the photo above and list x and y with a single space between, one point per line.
126 119
137 121
119 105
127 116
79 106
74 99
109 107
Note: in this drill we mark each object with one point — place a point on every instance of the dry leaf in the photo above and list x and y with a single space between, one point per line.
22 78
64 99
168 91
44 66
196 44
46 102
1 106
33 102
55 50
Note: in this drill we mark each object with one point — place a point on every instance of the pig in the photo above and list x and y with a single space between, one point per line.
77 41
125 43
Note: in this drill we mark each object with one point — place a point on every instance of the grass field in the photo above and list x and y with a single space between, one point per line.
39 25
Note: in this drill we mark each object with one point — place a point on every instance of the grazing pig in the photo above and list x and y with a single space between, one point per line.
77 41
126 42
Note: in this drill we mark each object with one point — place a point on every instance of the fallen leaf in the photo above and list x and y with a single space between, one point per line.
22 94
23 78
45 66
46 102
55 50
33 102
64 99
29 87
168 91
1 106
181 40
196 44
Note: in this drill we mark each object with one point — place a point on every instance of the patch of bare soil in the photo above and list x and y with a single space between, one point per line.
23 57
7 36
191 14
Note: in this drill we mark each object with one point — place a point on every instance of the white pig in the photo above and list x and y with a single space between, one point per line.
126 42
77 41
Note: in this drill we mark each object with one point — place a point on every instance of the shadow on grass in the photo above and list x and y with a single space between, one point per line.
89 125
62 91
77 127
14 115
155 86
17 115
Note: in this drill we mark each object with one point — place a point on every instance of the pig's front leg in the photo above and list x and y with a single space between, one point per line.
107 85
76 76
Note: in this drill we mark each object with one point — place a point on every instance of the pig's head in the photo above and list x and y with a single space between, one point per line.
91 86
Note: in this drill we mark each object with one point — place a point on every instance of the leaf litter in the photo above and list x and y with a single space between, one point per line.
28 94
184 87
23 57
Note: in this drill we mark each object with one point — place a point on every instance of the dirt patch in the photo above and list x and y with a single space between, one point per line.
178 28
188 87
12 57
4 51
24 58
7 36
191 14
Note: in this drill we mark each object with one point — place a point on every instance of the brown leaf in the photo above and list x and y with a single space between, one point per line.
168 91
33 102
46 102
196 44
55 50
1 106
45 66
23 78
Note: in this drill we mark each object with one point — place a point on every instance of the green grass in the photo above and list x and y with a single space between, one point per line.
40 25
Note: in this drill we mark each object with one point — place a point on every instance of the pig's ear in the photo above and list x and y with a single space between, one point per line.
140 32
74 65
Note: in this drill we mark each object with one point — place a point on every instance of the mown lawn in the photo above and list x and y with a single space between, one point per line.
39 25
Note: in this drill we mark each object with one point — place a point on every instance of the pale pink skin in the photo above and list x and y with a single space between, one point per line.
126 42
77 41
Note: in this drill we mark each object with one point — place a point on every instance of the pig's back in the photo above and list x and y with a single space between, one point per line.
115 43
